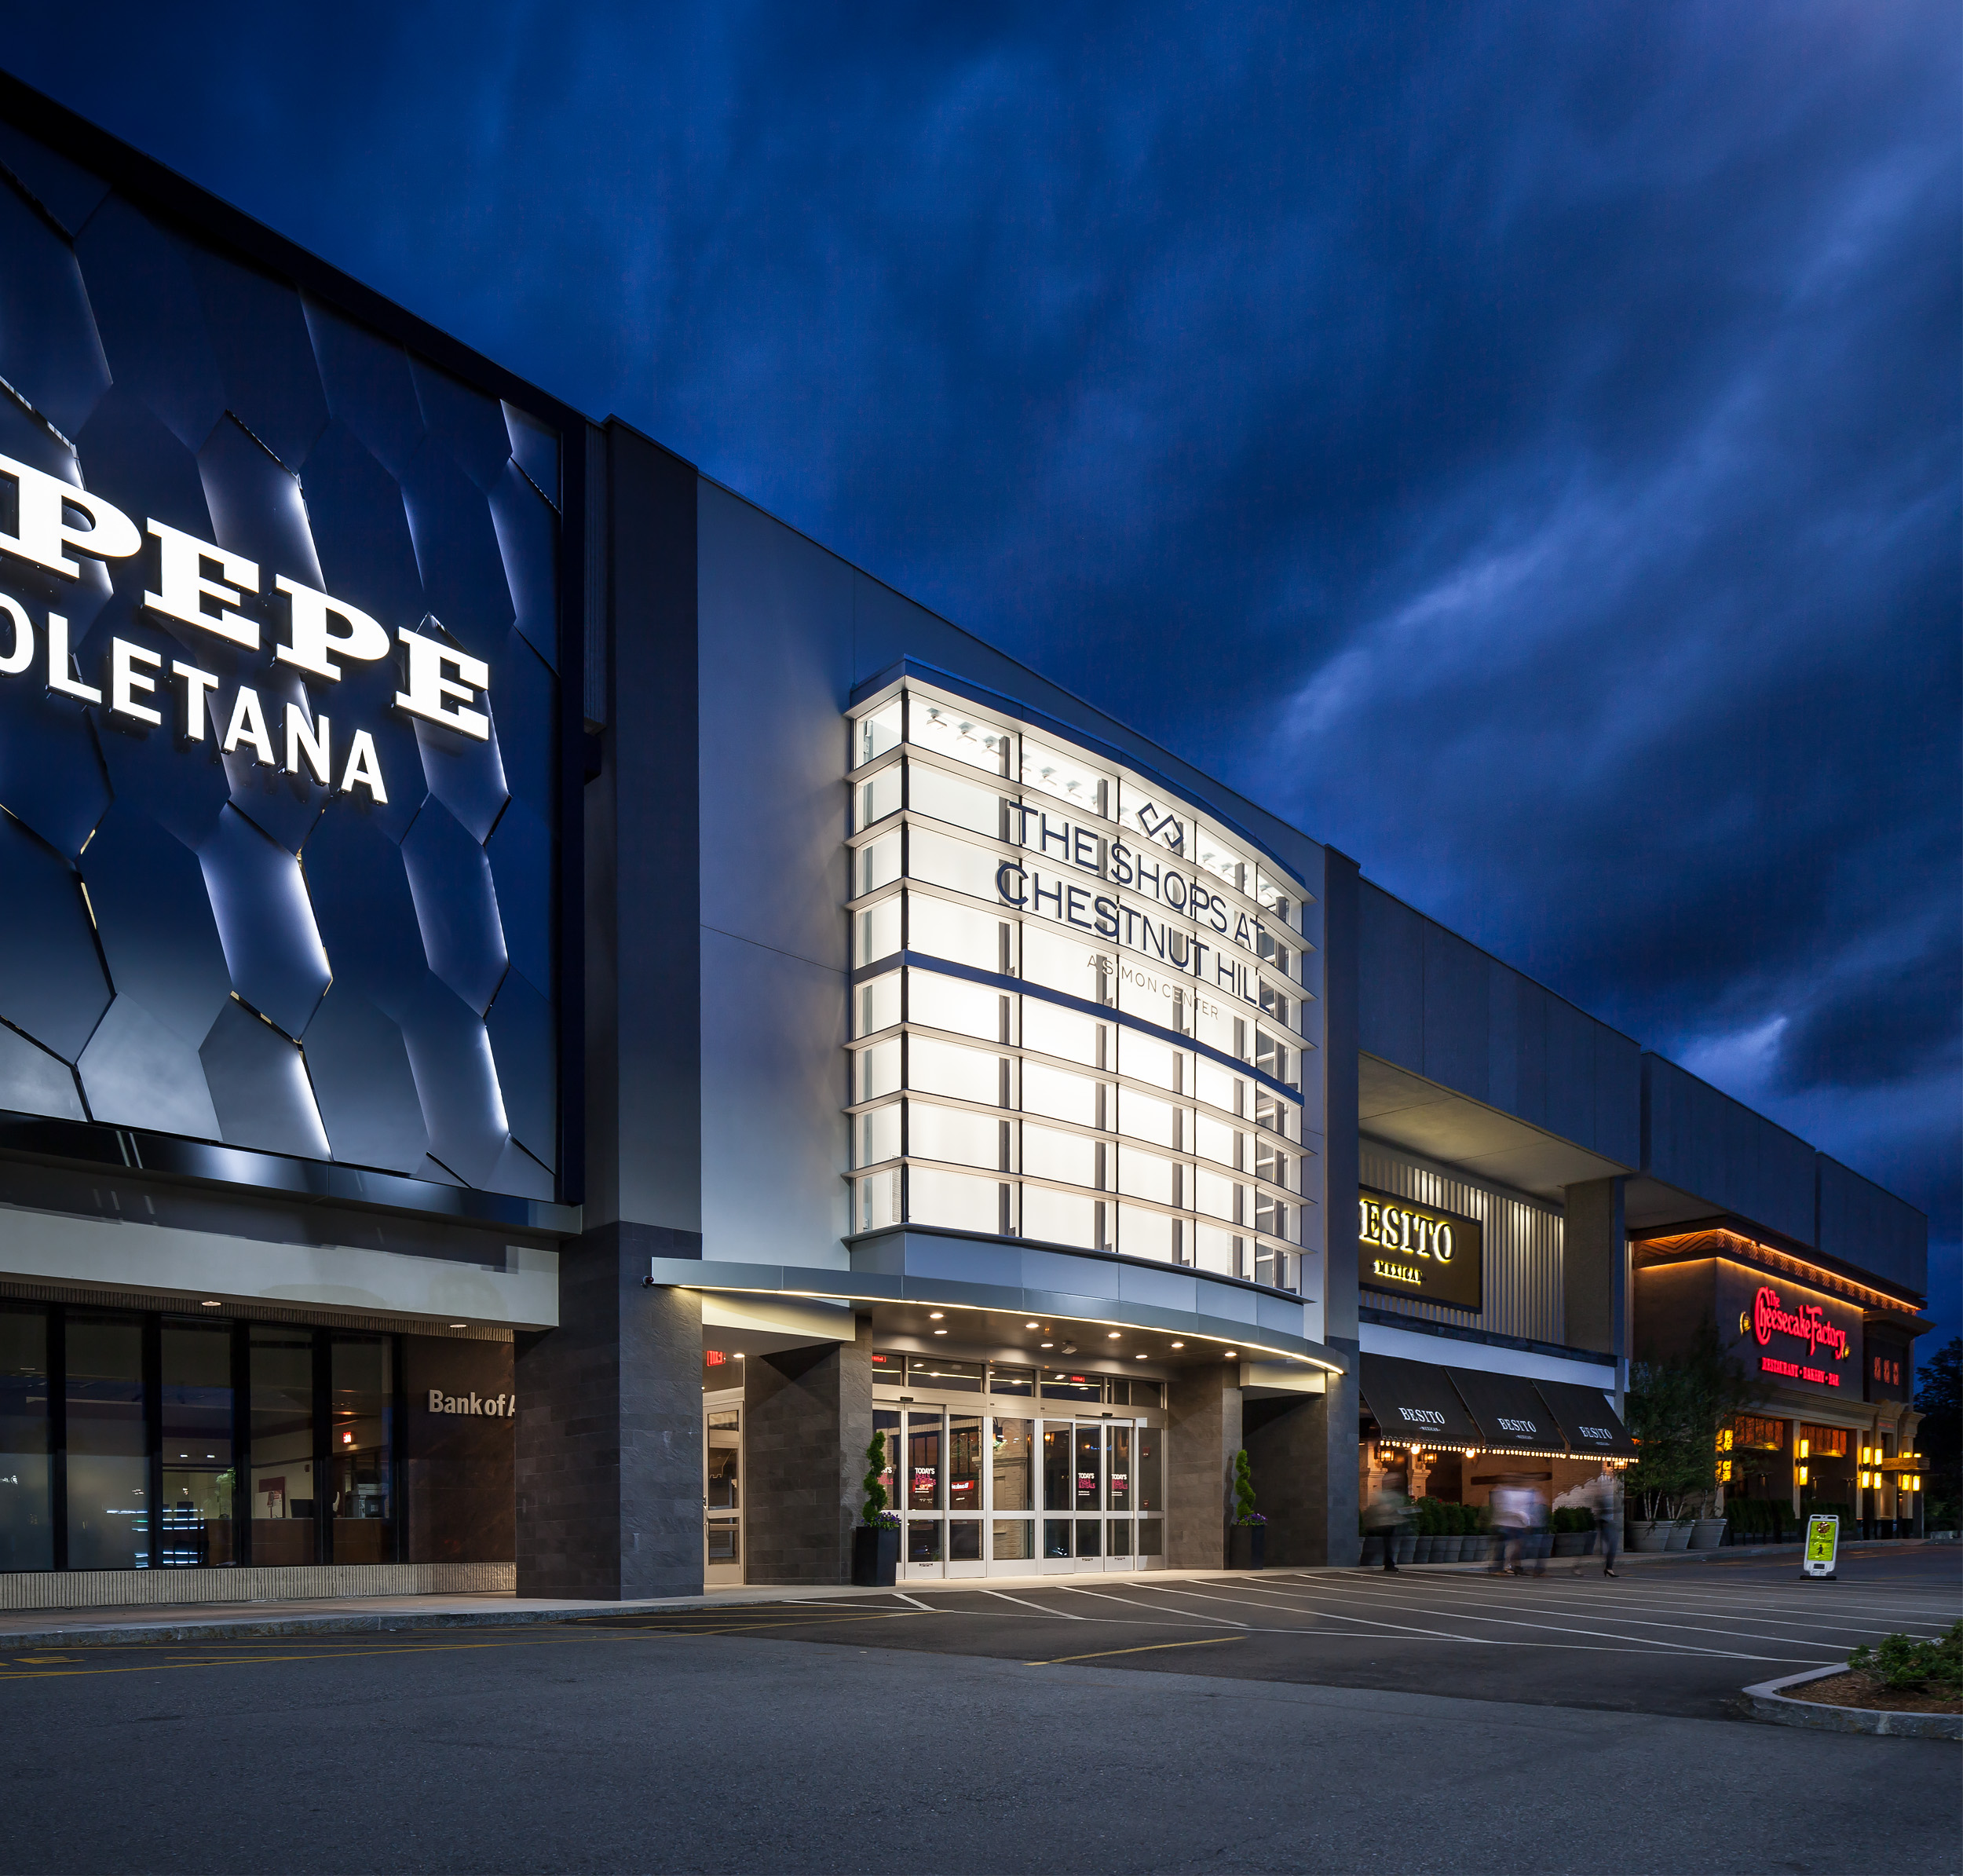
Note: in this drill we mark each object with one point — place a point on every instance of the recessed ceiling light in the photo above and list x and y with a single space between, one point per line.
1227 1355
1178 1344
1049 1345
1138 1357
940 1332
1030 1326
211 1302
1112 1337
935 1315
459 1325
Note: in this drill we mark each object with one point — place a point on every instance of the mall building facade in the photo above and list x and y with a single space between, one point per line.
545 1009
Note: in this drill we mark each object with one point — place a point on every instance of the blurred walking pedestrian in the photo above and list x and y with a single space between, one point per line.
1607 1495
1516 1511
1386 1511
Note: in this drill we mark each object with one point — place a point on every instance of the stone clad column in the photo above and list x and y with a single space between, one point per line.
807 1419
609 1432
1203 1433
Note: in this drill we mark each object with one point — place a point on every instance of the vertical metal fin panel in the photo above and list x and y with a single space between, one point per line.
1523 1290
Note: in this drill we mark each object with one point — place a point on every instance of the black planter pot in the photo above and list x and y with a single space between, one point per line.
1247 1544
875 1556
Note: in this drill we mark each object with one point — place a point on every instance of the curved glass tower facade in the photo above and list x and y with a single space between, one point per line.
1084 1013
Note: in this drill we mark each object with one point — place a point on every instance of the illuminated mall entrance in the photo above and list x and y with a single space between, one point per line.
992 1494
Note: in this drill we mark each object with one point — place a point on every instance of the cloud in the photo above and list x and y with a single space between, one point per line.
1518 444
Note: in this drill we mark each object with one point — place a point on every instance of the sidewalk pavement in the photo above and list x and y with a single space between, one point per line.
355 1615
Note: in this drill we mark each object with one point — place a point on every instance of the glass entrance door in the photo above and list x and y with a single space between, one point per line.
721 1489
996 1495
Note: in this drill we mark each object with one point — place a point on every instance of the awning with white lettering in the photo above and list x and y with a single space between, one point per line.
1413 1404
1510 1417
1586 1421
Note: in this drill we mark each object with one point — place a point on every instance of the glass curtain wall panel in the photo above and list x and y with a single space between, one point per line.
361 1450
283 1494
200 1482
108 1446
26 1475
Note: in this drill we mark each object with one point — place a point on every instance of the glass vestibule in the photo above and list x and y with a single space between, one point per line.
989 1493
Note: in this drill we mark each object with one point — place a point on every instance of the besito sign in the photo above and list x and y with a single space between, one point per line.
1411 1250
201 585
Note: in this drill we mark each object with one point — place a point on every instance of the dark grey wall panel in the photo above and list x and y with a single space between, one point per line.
643 876
1861 1224
1704 1142
1458 1039
1431 1002
1390 986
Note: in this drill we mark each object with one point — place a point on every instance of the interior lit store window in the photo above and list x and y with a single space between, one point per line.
1081 1014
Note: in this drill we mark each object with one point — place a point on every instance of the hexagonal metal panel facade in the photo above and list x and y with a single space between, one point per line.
211 941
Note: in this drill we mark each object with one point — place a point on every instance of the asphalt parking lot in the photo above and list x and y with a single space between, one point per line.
1297 1721
1668 1638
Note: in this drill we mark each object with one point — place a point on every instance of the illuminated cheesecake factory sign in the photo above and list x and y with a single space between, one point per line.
1796 1336
1410 1250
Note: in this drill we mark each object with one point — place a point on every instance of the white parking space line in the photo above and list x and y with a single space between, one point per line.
1552 1627
1469 1609
1105 1596
1061 1614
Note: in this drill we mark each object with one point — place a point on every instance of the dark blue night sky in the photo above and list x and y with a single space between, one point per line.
1517 444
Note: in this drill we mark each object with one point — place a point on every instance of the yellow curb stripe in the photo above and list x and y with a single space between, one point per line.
1150 1648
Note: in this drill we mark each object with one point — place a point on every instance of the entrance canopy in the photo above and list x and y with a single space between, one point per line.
1587 1423
1511 1417
1415 1402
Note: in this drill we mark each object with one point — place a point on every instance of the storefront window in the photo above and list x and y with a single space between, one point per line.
1014 1484
108 1444
924 1466
964 1463
27 1503
199 1479
284 1495
1761 1436
361 1448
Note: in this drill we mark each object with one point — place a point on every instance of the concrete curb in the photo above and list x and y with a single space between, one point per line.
1766 1702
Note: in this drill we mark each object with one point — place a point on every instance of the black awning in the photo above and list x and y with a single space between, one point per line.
1413 1402
1587 1420
1510 1417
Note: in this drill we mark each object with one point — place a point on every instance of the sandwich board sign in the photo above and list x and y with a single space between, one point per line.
1822 1545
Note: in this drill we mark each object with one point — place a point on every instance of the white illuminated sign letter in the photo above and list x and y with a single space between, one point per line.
248 725
21 656
197 684
125 681
364 770
58 677
438 698
310 742
184 587
313 647
42 527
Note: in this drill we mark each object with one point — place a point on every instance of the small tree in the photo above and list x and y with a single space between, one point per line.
875 1511
1244 1511
1938 1399
1676 1409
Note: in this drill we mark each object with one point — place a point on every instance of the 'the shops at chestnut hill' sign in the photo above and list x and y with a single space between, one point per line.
1409 1250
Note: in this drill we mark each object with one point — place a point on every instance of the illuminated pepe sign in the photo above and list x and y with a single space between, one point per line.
1410 1250
57 524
